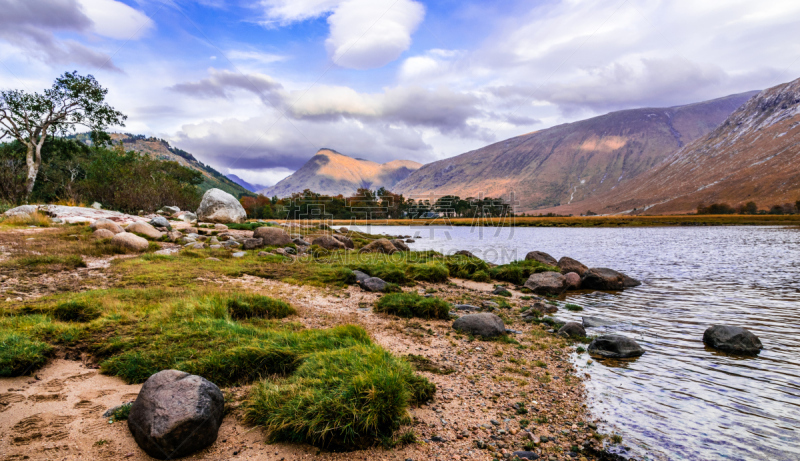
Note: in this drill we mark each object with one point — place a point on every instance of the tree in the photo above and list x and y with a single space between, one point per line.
73 100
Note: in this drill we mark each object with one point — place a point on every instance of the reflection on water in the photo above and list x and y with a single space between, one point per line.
680 400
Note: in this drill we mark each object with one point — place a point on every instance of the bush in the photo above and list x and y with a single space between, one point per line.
433 273
517 272
75 311
257 306
413 305
20 354
344 398
481 276
465 267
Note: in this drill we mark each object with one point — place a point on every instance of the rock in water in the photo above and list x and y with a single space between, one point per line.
373 284
272 236
572 329
736 340
615 347
570 265
145 229
600 278
220 207
160 221
400 245
593 322
176 414
484 324
573 280
327 242
547 283
130 241
541 257
379 246
106 224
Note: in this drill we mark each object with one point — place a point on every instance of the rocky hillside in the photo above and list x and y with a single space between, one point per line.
159 148
245 184
753 156
575 161
331 173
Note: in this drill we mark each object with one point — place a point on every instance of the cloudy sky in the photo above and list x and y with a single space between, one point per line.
256 87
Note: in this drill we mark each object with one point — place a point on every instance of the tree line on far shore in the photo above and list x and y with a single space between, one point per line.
748 208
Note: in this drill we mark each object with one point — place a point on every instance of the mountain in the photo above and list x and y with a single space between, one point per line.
753 156
574 161
159 148
245 184
331 173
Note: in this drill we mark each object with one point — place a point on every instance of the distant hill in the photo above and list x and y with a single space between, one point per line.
574 161
331 173
245 184
159 148
753 156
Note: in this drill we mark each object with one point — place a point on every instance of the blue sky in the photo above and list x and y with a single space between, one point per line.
255 88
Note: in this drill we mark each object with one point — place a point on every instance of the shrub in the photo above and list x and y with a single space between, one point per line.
465 266
433 273
20 354
413 305
517 272
257 306
75 311
481 276
122 412
342 398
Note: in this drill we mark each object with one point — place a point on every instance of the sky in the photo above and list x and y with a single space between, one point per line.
255 88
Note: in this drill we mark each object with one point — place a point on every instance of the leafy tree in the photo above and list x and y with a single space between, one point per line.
31 117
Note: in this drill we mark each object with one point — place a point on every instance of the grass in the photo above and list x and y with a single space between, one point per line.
573 307
257 306
34 219
20 354
409 305
421 363
122 412
45 263
75 311
517 272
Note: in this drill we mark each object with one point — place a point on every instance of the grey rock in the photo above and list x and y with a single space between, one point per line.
160 221
272 236
568 265
410 240
170 210
601 278
360 276
545 283
102 234
301 242
490 305
400 245
484 324
501 291
615 346
129 241
541 257
466 307
329 243
379 246
346 241
525 455
572 330
189 217
145 229
252 244
107 224
97 206
373 284
736 340
176 414
218 206
594 322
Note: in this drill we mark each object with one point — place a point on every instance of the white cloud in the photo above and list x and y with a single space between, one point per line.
257 56
364 34
266 177
115 19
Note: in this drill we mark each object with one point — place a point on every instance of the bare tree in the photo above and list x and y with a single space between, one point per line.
73 100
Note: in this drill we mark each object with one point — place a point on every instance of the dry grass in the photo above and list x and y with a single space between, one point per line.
34 219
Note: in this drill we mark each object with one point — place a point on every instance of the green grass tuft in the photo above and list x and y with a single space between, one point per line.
517 272
413 305
75 311
20 355
257 306
573 307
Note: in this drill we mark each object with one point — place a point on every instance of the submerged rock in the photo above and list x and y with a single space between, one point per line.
594 322
736 340
484 324
601 278
547 283
176 414
615 347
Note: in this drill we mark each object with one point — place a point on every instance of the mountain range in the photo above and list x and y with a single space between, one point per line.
331 173
245 184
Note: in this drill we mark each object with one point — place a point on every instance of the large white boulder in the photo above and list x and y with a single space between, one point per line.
130 241
23 211
220 207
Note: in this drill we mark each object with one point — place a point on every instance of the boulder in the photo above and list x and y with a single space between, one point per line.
145 229
327 242
347 241
170 210
573 280
220 227
467 307
615 347
400 245
572 330
568 265
97 206
272 236
103 234
484 324
344 230
160 221
600 278
252 244
22 211
176 414
594 322
736 340
629 282
218 206
547 283
130 241
174 236
379 246
410 240
189 217
373 284
541 257
490 305
106 224
501 291
301 242
360 276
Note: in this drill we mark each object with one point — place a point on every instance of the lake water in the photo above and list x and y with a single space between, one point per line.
680 400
